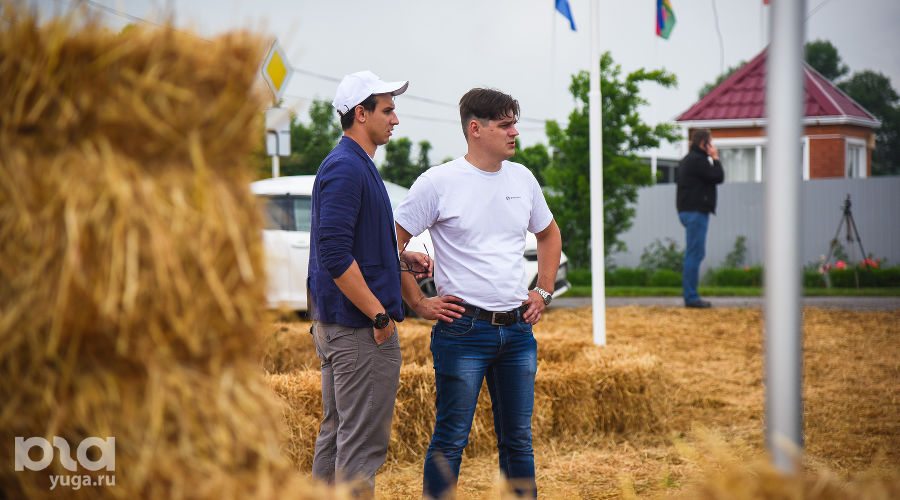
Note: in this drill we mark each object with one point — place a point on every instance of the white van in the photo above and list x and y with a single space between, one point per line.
287 202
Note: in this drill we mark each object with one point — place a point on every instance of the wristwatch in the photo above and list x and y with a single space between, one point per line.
545 294
381 321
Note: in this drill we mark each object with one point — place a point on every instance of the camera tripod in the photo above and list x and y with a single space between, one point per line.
848 221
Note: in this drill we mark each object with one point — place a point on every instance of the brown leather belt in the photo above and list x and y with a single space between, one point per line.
498 318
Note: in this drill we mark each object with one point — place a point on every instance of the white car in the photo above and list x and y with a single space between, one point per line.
287 202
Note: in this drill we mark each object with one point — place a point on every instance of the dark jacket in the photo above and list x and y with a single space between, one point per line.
351 220
697 176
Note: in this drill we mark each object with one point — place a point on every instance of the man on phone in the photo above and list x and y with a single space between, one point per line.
696 177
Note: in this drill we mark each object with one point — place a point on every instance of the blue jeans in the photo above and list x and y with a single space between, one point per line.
466 352
695 226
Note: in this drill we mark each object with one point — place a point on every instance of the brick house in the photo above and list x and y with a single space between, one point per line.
838 134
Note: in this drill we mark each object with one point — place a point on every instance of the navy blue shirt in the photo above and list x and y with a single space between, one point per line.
351 220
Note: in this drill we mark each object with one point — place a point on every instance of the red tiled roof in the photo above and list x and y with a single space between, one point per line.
742 96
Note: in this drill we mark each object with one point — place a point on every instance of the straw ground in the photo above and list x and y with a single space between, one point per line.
711 442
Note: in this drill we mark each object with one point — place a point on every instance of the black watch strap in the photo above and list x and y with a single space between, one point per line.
381 321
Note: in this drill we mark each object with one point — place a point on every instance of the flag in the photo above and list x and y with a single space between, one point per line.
665 18
563 7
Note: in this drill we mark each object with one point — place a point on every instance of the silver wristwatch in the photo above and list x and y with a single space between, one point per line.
547 296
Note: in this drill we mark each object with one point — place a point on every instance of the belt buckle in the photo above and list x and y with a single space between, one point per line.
495 321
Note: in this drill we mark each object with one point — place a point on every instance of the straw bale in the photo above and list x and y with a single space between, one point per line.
302 393
289 347
613 390
131 278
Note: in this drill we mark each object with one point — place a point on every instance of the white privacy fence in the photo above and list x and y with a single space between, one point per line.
875 206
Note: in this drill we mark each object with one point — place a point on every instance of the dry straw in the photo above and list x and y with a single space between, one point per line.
580 390
725 475
131 273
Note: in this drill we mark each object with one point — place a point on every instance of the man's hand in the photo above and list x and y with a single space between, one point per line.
419 263
712 151
385 333
444 308
535 308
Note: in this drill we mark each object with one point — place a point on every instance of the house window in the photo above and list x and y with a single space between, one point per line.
740 163
855 165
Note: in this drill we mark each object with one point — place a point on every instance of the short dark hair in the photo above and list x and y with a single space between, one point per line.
699 137
484 105
349 117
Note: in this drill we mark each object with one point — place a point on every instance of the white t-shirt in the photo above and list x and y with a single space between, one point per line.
477 222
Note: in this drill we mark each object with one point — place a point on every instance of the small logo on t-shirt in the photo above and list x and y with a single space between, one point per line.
512 198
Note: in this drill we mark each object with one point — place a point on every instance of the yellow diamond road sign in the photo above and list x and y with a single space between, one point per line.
276 70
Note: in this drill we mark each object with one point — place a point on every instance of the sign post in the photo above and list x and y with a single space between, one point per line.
277 72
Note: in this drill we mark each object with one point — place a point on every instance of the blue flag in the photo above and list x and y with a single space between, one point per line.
563 7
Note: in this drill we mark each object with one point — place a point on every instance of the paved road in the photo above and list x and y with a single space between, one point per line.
848 303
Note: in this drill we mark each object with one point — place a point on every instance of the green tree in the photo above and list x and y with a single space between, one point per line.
706 89
310 144
423 163
398 166
824 58
536 158
874 92
624 133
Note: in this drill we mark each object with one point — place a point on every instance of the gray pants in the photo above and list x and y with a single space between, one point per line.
359 386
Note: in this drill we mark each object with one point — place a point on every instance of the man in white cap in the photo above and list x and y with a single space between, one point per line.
354 287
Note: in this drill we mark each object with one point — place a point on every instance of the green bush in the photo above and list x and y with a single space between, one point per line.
749 276
665 277
813 279
868 278
579 277
662 256
737 255
625 276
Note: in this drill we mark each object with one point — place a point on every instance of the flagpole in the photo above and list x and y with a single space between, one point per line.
598 278
783 285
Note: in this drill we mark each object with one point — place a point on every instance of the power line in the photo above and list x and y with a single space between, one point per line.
132 17
138 19
433 119
414 97
816 9
721 41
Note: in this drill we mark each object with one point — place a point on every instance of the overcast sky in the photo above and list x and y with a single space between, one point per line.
523 47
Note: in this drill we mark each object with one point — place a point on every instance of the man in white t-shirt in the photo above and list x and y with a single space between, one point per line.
477 209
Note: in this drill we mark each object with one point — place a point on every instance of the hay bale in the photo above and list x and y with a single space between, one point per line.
302 393
607 390
131 276
612 390
289 347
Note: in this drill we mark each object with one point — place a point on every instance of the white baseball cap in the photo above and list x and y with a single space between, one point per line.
356 87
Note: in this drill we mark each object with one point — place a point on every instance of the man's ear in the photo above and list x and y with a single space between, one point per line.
474 128
359 113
